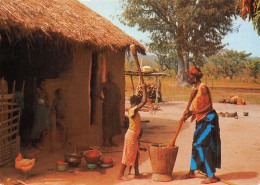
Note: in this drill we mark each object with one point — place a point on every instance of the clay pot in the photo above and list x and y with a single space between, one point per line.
73 159
92 156
162 160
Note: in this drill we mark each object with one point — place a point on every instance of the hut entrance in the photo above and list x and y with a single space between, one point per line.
93 87
27 60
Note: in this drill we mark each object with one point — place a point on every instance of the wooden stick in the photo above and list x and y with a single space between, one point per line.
133 50
10 110
10 103
21 182
7 147
133 87
8 121
172 143
7 144
10 134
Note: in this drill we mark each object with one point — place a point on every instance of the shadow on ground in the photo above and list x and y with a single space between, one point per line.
238 175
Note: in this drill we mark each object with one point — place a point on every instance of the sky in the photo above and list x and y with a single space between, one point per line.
244 38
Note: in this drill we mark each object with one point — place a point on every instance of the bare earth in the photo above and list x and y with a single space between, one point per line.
240 152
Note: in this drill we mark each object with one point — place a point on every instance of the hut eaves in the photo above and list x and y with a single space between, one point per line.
70 19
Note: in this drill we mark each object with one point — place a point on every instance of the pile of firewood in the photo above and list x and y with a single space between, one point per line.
151 91
228 114
233 100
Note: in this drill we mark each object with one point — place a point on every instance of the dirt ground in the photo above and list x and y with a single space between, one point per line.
240 152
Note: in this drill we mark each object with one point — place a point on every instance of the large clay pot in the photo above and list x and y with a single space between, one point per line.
162 160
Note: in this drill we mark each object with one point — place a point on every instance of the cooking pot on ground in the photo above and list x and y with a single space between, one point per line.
73 159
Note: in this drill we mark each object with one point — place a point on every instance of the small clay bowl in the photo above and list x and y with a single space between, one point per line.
245 113
62 167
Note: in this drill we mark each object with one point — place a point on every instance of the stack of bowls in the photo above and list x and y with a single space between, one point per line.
92 158
106 162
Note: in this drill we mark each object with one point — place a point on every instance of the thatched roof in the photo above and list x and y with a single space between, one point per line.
68 19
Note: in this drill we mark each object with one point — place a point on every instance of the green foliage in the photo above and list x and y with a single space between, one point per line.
199 61
227 63
253 68
180 27
209 70
166 55
131 66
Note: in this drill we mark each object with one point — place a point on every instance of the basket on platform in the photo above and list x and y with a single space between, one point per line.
92 156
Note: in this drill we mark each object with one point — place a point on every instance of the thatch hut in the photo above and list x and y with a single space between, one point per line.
69 46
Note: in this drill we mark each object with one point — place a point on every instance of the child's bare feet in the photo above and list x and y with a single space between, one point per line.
123 178
139 176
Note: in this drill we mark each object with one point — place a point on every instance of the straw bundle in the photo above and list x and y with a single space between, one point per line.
69 19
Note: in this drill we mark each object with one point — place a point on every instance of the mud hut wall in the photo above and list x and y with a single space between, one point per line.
76 89
108 60
79 93
115 62
75 84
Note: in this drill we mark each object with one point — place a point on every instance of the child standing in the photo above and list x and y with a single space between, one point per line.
130 152
59 109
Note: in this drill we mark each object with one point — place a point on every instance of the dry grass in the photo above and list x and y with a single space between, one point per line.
219 89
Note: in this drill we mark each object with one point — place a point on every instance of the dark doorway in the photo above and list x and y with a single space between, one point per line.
93 86
26 60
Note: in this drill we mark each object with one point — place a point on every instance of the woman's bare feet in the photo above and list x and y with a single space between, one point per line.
210 180
189 175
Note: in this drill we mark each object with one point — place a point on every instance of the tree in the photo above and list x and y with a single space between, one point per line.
253 68
189 27
251 9
166 55
227 63
209 70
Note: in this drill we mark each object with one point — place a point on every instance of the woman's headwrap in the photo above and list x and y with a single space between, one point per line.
195 71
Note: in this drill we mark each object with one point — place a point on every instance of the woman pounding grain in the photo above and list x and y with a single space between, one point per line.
130 152
206 147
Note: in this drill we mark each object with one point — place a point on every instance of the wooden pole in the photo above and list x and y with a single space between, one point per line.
172 143
133 50
157 89
212 81
133 87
